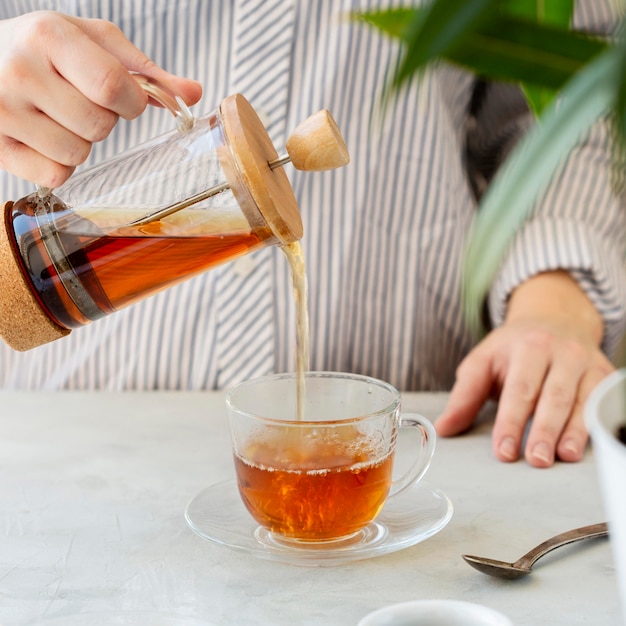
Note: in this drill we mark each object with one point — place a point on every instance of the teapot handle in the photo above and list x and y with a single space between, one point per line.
174 104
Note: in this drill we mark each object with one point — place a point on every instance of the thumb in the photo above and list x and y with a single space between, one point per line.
111 39
189 90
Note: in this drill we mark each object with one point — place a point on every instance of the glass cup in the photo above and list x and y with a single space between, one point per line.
325 477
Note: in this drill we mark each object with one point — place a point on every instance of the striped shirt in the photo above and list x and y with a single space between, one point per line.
383 237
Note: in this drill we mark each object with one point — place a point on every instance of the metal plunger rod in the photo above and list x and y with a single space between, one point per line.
199 197
315 145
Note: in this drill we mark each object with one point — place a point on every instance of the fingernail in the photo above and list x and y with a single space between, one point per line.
541 452
569 445
508 449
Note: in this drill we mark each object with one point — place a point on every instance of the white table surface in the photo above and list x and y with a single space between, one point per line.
93 489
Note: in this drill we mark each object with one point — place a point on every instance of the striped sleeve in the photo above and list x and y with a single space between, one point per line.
579 225
579 222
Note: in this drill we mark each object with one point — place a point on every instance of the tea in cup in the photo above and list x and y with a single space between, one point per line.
325 476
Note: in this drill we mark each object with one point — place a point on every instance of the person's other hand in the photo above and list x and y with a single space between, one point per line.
542 363
64 82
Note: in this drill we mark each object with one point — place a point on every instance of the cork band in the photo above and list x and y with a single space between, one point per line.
23 323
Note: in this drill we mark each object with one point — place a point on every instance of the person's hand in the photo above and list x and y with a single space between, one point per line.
64 82
542 363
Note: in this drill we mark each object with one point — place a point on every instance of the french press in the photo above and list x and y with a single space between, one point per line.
207 192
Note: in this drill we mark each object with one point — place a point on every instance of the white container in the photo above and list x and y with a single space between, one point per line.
605 412
435 613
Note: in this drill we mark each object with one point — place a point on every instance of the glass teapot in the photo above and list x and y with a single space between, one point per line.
207 192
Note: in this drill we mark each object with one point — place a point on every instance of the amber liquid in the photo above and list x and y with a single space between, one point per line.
118 267
316 492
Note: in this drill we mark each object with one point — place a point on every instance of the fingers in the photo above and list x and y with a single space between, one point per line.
46 49
523 383
470 391
542 377
62 127
64 82
108 37
23 161
41 140
96 75
556 402
549 381
573 439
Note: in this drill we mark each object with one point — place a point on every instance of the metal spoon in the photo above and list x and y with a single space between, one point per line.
523 565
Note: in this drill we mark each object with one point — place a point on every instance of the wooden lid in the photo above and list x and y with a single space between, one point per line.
252 150
23 323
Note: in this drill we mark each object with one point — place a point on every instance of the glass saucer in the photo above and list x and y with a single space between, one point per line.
411 516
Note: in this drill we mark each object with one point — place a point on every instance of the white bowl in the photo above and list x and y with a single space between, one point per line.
435 613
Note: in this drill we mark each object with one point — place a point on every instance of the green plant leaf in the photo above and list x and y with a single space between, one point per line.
520 51
538 97
551 12
476 36
437 27
393 22
510 197
621 89
554 12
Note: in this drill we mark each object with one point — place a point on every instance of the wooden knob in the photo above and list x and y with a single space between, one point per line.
317 144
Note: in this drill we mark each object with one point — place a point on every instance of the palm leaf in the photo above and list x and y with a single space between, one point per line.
520 51
436 28
555 12
504 47
393 22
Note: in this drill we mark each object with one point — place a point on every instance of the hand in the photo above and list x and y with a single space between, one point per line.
542 362
64 82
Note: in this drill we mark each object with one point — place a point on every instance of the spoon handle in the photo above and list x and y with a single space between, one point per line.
562 539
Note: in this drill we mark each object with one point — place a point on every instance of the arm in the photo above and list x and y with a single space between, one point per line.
557 308
64 82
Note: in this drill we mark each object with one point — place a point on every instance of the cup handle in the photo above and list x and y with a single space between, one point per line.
428 437
184 119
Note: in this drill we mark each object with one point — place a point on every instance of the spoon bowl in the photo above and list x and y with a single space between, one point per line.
523 565
493 567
